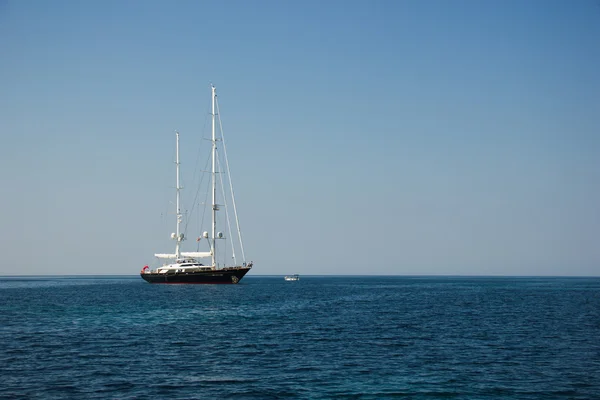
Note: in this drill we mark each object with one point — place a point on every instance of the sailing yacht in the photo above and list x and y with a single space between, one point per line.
184 267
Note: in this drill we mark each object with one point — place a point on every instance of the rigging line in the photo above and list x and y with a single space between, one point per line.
226 214
237 221
196 196
204 130
203 213
167 199
203 137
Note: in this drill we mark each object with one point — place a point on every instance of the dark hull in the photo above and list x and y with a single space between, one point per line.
227 275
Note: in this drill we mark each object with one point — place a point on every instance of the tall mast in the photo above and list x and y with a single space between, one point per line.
214 180
179 237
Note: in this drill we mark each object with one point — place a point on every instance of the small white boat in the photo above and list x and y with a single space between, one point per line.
294 277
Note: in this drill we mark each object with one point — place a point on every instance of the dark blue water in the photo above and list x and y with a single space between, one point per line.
322 337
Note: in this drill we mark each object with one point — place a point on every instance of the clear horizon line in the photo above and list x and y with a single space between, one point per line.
327 275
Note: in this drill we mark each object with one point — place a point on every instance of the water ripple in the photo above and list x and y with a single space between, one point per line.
345 338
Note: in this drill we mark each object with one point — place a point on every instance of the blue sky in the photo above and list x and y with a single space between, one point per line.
365 137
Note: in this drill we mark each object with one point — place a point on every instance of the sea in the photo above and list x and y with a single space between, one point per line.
323 337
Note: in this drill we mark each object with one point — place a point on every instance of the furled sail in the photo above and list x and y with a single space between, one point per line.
164 255
196 254
193 254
